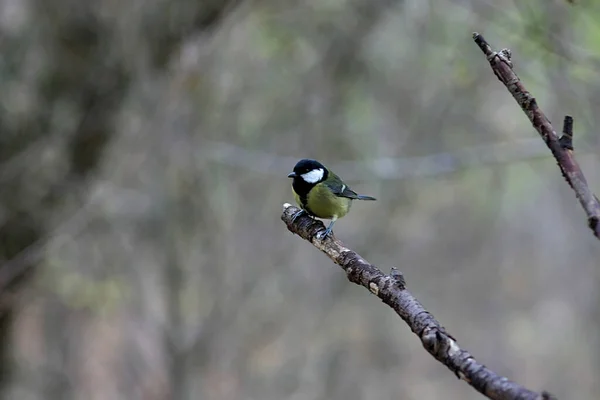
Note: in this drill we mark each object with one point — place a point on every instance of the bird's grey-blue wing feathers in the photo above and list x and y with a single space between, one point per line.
342 190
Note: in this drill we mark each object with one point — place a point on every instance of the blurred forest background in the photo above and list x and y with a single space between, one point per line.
144 147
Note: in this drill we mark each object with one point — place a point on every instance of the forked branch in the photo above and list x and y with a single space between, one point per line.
391 289
561 147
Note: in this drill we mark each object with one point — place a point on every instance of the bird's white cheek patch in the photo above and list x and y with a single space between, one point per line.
313 176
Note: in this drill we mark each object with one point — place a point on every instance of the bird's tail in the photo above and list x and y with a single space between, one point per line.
361 197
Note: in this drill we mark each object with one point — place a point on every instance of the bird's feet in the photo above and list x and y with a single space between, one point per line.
328 231
297 214
323 235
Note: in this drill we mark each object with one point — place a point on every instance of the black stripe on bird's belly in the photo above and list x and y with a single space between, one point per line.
301 187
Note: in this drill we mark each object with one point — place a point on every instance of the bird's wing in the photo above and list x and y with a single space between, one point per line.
340 189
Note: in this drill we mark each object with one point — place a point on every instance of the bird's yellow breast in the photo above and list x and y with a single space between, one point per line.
324 204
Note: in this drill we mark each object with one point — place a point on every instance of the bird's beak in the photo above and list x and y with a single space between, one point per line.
292 175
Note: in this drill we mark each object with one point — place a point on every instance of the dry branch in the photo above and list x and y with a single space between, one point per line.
392 291
503 69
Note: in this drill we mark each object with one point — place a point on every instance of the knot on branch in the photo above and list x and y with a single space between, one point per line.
397 278
439 343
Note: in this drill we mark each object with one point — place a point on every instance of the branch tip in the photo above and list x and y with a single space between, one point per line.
566 140
483 45
568 125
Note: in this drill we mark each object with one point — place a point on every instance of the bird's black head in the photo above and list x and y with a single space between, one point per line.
310 171
307 173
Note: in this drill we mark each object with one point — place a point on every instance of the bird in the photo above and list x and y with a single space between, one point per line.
321 193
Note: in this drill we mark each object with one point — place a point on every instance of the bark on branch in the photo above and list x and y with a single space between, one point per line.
391 289
561 149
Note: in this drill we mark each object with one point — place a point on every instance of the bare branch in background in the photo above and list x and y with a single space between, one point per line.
503 69
392 291
384 168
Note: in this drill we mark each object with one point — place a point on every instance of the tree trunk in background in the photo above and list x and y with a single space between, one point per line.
82 67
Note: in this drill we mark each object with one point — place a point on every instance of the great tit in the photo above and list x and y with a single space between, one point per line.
321 193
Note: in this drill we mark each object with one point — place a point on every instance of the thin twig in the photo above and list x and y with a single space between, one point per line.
503 69
391 289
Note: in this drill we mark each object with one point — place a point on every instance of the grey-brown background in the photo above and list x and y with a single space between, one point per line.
144 147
